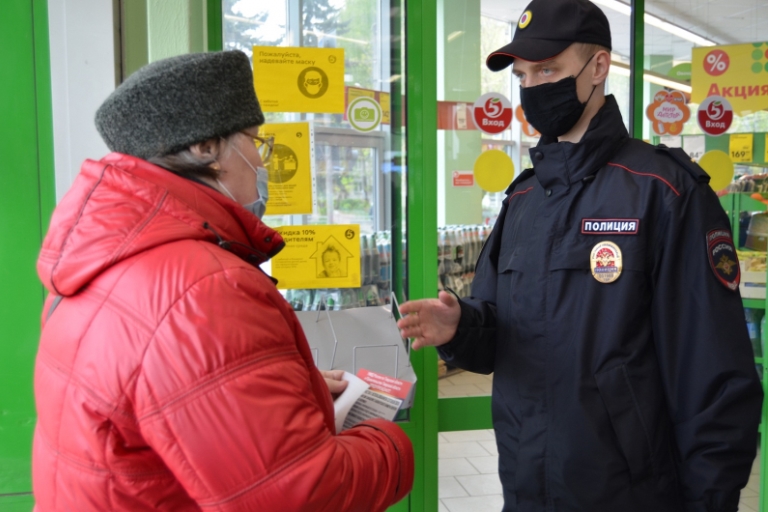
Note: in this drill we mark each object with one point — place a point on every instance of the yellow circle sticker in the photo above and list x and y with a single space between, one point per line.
606 262
494 170
525 19
719 166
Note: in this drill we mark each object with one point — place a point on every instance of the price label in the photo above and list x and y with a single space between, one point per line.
740 147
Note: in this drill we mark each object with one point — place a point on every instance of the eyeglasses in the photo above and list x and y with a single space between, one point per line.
264 145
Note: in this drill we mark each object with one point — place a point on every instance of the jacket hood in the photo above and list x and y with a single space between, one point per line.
122 205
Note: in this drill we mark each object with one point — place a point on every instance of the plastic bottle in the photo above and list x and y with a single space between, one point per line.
375 259
460 250
384 258
365 261
753 327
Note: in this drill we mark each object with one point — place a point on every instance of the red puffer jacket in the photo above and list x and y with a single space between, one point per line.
174 376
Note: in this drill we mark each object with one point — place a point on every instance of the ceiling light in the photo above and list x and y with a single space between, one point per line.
621 68
657 22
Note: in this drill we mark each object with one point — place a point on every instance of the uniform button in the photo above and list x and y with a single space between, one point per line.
549 192
539 155
268 239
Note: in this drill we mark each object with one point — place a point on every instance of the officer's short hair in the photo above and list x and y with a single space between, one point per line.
587 50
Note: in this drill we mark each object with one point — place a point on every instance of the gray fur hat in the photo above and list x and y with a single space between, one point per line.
174 103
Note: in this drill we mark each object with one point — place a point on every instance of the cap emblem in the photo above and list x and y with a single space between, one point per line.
525 19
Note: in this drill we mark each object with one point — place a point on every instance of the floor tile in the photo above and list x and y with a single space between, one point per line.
441 507
486 387
743 507
455 467
468 435
754 483
751 502
490 446
474 504
449 487
485 465
454 450
480 485
748 492
469 378
460 390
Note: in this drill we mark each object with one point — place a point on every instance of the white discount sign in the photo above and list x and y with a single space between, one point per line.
492 113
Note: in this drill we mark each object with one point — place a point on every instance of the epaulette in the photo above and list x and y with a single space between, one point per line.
521 177
682 158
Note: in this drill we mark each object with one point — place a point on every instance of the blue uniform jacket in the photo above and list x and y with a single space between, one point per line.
635 395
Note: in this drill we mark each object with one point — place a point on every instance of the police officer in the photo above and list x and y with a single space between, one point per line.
605 302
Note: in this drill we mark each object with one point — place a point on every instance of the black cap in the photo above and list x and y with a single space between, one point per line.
548 27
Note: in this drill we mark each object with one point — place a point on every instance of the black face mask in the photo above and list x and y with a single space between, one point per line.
554 108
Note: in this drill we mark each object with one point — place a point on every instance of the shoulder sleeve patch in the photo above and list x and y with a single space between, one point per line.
722 258
682 158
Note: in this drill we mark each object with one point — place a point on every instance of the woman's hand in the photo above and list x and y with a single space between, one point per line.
333 378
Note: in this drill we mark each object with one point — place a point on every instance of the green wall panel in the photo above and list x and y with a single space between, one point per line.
19 503
26 200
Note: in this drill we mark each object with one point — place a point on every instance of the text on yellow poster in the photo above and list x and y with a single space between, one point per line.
318 257
291 168
296 79
740 147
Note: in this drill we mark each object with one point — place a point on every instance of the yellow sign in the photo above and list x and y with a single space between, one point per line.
353 93
386 107
383 98
736 72
494 170
291 176
740 147
295 79
765 157
318 257
719 166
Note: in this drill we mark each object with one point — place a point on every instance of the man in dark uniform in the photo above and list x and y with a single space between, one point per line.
605 302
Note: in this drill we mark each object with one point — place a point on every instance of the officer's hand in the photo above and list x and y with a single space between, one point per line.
431 322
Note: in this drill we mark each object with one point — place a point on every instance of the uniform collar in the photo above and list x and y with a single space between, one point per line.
559 164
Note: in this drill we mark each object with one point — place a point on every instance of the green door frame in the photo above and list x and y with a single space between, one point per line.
26 202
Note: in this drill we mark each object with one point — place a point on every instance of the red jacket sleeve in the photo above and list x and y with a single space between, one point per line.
228 399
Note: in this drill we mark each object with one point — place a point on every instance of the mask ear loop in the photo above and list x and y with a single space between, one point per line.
580 72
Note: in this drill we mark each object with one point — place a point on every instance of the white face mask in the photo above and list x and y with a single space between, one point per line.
259 206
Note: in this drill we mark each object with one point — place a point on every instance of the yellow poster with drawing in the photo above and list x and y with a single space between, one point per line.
318 257
295 79
291 168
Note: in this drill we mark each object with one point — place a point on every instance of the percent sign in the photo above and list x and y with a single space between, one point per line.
716 62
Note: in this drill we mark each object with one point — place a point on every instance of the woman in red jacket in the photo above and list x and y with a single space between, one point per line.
173 375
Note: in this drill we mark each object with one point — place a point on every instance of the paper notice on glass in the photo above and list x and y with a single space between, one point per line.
299 79
291 168
347 399
695 146
671 141
318 256
381 400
